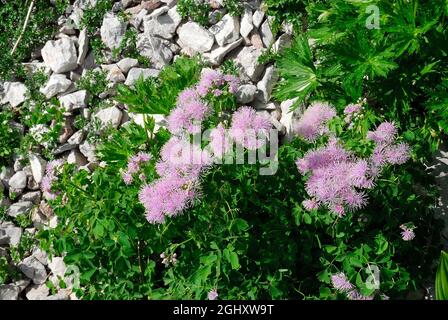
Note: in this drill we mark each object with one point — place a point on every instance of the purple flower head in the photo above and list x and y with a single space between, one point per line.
220 142
144 157
167 196
408 233
213 294
341 283
322 157
356 295
397 154
187 118
180 157
133 165
337 178
384 134
127 178
187 97
50 178
352 108
142 177
310 204
313 122
351 111
249 128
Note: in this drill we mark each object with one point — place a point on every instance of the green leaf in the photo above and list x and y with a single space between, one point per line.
240 225
98 230
442 278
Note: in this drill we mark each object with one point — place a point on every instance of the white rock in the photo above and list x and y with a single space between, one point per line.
19 208
288 117
266 34
227 30
18 163
89 151
158 12
76 138
279 126
163 25
259 105
38 165
246 23
22 284
267 83
283 42
246 93
38 292
33 269
154 49
39 221
75 100
247 59
5 174
76 157
136 73
126 64
33 196
257 18
62 294
57 266
83 46
216 56
60 55
64 148
9 292
57 83
136 19
18 180
115 75
14 93
10 234
195 37
112 31
76 16
40 255
109 116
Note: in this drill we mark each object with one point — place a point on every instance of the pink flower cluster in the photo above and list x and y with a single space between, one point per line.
134 164
191 108
249 128
351 111
342 284
313 122
338 179
180 169
386 150
50 178
182 163
407 233
220 141
212 295
213 81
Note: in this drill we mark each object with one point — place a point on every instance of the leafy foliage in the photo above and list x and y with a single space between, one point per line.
398 67
41 26
442 277
9 137
198 10
158 95
248 236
